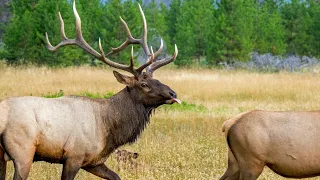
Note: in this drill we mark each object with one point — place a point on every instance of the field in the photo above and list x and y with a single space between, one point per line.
182 141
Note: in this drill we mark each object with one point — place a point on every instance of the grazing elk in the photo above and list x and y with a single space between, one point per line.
80 132
287 142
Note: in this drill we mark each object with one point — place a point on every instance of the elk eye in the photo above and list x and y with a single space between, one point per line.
144 85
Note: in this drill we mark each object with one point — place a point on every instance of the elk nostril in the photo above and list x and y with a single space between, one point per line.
173 94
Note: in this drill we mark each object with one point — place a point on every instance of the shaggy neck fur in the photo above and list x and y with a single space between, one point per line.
126 118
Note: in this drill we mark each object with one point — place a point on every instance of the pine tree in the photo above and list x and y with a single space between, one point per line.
269 29
156 25
234 31
315 26
25 35
116 33
193 30
298 24
172 19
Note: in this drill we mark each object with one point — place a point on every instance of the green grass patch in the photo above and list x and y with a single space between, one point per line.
87 94
97 95
184 106
53 95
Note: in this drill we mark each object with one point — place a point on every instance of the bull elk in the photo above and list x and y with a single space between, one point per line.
287 142
80 132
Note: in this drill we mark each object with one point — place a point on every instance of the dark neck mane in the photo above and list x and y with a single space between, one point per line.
125 118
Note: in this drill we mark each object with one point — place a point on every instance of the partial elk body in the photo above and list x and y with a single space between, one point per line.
80 132
287 142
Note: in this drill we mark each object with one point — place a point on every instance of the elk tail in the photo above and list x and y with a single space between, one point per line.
228 123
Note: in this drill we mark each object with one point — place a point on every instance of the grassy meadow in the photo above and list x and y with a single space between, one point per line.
182 141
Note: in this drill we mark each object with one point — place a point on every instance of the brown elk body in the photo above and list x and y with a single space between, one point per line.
80 132
287 142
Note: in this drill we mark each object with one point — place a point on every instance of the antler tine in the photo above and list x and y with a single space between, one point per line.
131 58
77 41
144 33
142 41
163 61
149 62
159 50
130 40
79 38
63 35
129 69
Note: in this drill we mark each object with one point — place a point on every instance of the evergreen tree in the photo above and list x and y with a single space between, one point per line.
205 31
234 31
315 26
156 25
269 29
193 30
172 19
4 16
116 34
298 24
25 35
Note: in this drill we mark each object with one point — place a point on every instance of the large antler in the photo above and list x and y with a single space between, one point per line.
79 41
163 61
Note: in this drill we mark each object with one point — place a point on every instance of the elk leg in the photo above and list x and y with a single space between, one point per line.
250 169
22 163
248 175
232 171
102 171
3 165
22 156
70 168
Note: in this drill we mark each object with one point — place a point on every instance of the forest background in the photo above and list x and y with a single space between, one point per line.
207 32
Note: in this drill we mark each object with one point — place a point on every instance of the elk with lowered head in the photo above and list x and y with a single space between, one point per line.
80 132
287 142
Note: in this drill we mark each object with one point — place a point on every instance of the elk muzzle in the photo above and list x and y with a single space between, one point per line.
173 98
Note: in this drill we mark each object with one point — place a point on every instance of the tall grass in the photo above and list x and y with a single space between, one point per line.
181 142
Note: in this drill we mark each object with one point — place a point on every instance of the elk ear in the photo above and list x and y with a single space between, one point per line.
123 79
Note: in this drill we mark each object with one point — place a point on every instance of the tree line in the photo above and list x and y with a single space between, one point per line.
206 32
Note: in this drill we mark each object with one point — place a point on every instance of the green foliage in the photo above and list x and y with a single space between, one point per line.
193 30
234 30
269 29
206 32
184 107
298 21
156 25
97 95
24 36
53 95
314 29
87 94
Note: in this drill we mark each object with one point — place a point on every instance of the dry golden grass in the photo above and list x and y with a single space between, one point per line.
177 144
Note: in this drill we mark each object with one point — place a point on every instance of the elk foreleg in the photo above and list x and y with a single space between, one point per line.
71 168
3 165
22 156
102 171
22 163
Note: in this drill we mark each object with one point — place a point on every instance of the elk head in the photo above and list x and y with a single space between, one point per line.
146 90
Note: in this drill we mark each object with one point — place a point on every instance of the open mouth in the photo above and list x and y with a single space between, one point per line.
173 100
